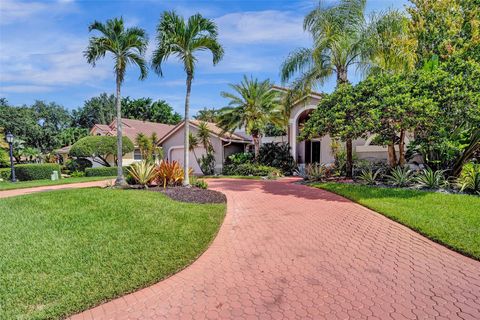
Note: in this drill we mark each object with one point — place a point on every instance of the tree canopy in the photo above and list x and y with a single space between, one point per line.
99 148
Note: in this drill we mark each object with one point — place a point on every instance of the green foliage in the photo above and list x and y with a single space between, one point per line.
148 147
317 172
144 173
78 164
4 158
27 172
277 155
240 158
146 109
207 115
69 136
97 110
469 179
99 148
252 106
430 179
5 174
207 163
369 177
250 169
198 183
400 177
102 171
77 174
170 173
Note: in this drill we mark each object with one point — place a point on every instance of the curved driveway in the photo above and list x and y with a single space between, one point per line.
287 251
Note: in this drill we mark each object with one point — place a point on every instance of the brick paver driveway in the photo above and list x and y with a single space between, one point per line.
293 252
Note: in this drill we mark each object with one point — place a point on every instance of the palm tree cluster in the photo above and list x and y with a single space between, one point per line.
175 36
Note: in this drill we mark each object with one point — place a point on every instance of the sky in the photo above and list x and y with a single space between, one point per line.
42 44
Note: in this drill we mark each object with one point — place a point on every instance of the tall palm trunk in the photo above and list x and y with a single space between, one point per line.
256 143
186 149
342 78
120 179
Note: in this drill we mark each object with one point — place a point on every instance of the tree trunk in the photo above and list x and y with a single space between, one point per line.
467 154
342 75
256 143
349 164
401 149
186 147
120 178
392 156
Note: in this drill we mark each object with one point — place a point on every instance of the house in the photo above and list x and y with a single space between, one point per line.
131 128
224 145
319 149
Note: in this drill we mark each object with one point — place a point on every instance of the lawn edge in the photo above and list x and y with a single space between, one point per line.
429 237
59 184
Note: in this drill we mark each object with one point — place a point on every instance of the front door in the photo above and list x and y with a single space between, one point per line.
312 151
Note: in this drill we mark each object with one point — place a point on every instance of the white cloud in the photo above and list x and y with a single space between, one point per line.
25 89
268 26
11 11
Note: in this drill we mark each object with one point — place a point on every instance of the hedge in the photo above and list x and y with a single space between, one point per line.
102 172
27 172
5 174
250 169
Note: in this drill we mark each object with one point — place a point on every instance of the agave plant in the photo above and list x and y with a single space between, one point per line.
469 179
369 177
430 179
143 173
400 177
317 171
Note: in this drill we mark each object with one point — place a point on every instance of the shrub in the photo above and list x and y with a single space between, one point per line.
240 158
77 174
4 158
102 172
400 177
430 179
78 164
207 163
317 171
99 148
369 177
169 173
143 173
27 172
5 174
198 183
469 179
278 155
250 169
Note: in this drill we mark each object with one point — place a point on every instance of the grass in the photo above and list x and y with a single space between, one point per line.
7 185
450 219
65 251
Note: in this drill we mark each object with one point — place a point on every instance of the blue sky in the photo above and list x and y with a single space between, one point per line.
41 44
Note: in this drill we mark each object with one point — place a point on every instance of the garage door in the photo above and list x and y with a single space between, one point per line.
177 155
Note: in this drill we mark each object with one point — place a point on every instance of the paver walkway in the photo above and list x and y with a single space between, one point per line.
287 251
19 192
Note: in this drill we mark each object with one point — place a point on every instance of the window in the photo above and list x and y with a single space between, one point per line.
137 154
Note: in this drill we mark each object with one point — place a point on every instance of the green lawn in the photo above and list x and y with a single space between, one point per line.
450 219
65 251
7 185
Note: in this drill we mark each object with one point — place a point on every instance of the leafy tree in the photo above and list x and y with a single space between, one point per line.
207 114
70 135
342 114
128 46
99 148
252 106
147 110
184 39
148 147
99 110
445 28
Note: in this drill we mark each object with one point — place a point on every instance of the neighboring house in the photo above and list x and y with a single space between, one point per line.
131 128
224 144
319 149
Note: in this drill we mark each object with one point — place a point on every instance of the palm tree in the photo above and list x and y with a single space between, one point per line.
128 46
203 135
253 105
184 39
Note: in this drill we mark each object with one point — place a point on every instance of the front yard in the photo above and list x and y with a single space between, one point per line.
7 185
65 251
450 219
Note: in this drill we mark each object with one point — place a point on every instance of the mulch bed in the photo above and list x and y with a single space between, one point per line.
192 194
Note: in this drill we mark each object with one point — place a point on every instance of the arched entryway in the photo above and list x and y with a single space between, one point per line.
303 151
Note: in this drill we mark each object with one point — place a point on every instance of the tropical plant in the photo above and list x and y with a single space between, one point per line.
128 46
193 144
31 154
198 183
317 171
250 169
469 179
430 179
277 155
184 39
143 172
170 173
78 164
400 176
207 115
207 163
369 177
149 149
239 158
99 148
252 106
